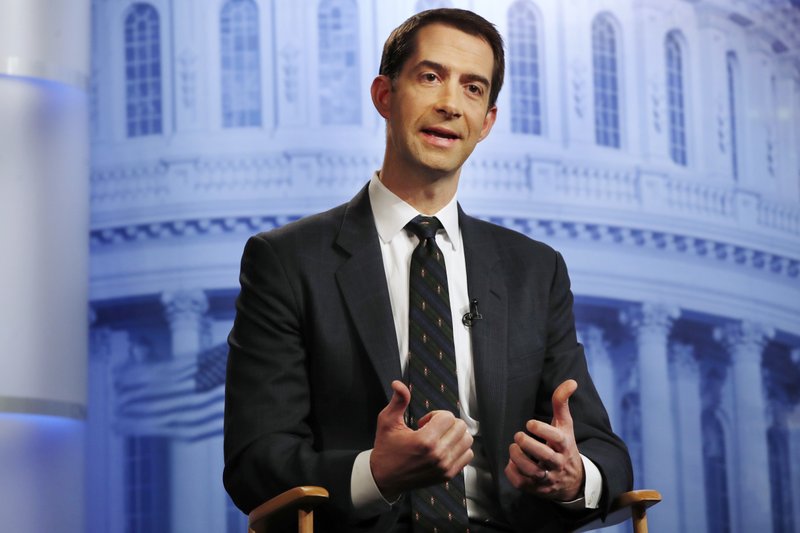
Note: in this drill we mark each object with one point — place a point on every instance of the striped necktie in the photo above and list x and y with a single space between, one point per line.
432 372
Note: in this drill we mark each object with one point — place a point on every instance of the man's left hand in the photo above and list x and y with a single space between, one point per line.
553 469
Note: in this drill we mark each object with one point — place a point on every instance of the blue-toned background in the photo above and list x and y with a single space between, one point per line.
656 143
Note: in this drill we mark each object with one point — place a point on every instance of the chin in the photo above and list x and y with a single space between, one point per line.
441 165
439 170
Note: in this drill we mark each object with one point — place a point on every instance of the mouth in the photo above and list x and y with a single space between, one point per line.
440 137
441 133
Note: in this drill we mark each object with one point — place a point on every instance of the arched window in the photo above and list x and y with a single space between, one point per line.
241 67
143 106
424 5
338 62
716 473
606 82
675 98
732 71
523 46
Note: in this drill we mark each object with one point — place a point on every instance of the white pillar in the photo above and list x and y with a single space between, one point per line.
600 366
689 432
185 312
745 342
44 225
651 324
196 495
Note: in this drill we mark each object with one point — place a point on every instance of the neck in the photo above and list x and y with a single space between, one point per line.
425 190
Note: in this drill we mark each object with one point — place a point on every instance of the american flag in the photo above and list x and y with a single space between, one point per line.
181 398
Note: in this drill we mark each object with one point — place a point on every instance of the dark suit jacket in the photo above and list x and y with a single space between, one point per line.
313 352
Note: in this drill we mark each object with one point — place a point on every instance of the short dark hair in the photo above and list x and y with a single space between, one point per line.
402 42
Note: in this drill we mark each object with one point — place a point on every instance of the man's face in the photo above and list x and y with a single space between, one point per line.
437 110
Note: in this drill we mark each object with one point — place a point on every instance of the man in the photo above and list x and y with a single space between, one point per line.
343 320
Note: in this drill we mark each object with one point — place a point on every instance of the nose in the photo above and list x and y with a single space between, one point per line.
448 106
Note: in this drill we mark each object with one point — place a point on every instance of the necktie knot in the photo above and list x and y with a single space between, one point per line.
424 227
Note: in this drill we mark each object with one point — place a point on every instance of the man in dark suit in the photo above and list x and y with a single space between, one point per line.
317 389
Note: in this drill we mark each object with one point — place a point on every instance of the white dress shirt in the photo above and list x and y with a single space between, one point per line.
391 215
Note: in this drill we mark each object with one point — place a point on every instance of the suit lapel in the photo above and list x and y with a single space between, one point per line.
489 336
362 281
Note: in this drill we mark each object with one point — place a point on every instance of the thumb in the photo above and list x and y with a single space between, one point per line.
561 395
394 412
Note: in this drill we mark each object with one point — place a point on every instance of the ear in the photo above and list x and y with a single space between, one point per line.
488 122
381 91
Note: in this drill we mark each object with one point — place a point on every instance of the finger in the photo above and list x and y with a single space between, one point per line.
556 438
437 422
541 454
456 448
456 439
425 419
515 477
525 465
394 412
463 460
561 414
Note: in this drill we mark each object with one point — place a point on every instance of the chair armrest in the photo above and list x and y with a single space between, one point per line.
299 501
627 505
302 501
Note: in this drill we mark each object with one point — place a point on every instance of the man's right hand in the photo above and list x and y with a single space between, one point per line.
404 459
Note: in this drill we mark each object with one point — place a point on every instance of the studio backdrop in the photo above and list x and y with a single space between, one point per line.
655 143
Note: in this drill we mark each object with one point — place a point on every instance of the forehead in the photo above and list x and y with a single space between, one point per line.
452 48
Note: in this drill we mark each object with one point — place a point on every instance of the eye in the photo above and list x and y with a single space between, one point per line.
475 89
429 77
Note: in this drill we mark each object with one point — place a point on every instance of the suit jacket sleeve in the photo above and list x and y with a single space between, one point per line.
543 320
269 444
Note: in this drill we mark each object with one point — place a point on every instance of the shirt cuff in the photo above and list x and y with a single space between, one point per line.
364 493
592 488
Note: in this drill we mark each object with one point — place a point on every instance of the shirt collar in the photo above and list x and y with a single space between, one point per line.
392 214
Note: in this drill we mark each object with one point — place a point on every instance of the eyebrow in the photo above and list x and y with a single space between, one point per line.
469 78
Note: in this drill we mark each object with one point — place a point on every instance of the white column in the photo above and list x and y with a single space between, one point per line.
689 434
44 192
600 365
651 324
745 342
185 312
197 498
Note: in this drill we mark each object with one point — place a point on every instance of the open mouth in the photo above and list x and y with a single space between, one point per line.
439 134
